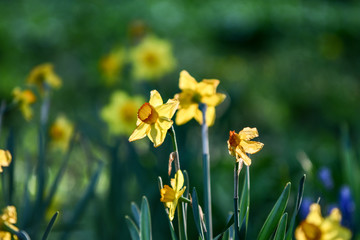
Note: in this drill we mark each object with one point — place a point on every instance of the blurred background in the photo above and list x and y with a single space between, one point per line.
289 68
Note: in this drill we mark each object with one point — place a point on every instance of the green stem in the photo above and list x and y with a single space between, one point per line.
2 110
237 168
206 172
185 200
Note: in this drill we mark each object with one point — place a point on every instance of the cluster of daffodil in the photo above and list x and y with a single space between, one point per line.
150 59
198 100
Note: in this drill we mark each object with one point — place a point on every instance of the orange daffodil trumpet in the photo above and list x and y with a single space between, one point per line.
170 195
194 93
154 119
239 144
317 227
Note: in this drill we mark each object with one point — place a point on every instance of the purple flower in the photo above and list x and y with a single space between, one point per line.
305 207
325 178
347 206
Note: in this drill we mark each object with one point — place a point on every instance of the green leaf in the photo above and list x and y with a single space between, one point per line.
50 225
275 215
136 213
227 227
134 231
297 207
280 232
196 213
245 200
145 220
186 193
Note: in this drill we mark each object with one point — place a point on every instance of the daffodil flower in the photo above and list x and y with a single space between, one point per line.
317 227
8 218
154 119
170 195
194 93
152 58
239 144
44 74
61 132
5 159
112 64
24 98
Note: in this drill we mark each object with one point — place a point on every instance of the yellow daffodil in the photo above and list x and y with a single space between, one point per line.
44 74
315 227
154 119
61 132
239 144
24 98
7 219
194 93
112 64
170 195
120 113
5 159
152 58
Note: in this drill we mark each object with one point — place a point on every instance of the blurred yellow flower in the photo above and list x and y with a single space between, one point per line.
170 195
44 74
152 58
194 93
112 64
60 133
24 98
8 218
120 113
5 159
319 228
239 144
154 119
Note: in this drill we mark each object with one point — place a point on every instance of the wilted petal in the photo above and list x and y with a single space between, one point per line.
168 109
140 132
185 114
155 98
248 133
187 81
251 146
243 156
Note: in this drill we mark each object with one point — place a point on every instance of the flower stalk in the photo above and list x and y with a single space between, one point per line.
175 147
237 169
206 172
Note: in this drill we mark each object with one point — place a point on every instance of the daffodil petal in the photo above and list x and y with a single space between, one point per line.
165 124
314 216
168 109
156 134
179 180
207 86
140 132
243 156
5 159
198 116
251 146
187 81
186 114
172 209
213 100
210 116
167 194
155 99
248 133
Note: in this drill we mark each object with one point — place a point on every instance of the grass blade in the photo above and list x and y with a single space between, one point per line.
297 207
134 231
245 200
136 213
196 213
275 214
50 225
145 220
280 232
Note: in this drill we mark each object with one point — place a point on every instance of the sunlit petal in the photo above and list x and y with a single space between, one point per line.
168 109
165 124
207 86
179 180
155 98
156 134
5 159
140 132
243 156
210 116
187 81
213 100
